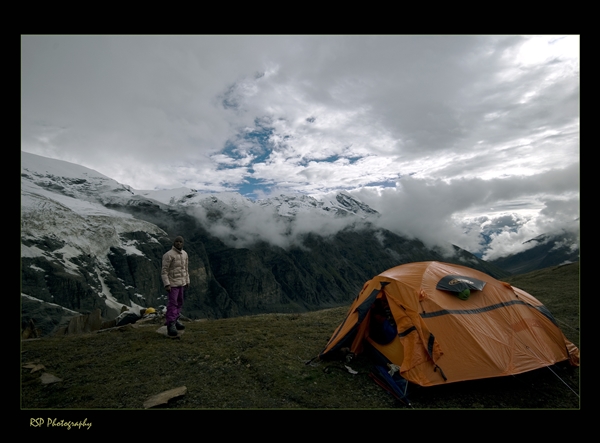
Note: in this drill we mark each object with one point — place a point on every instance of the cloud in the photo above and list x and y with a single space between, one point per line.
244 225
159 99
435 211
433 131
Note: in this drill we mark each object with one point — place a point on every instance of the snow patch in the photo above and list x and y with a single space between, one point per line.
31 251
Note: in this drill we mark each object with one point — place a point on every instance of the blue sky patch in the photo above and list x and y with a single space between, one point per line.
250 187
256 142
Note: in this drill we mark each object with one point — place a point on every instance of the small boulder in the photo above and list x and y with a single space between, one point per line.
164 397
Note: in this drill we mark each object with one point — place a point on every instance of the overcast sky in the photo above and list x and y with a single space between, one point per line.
444 135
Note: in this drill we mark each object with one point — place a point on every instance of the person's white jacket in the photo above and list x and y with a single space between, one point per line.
175 268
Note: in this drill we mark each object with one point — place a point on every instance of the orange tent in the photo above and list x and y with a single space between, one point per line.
440 337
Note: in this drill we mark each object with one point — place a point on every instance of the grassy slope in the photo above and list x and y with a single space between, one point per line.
259 362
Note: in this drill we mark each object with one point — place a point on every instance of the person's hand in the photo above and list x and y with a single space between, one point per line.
168 288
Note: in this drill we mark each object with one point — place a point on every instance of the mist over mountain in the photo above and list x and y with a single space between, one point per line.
281 221
89 242
552 249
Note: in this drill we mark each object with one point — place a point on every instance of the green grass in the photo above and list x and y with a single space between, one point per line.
259 362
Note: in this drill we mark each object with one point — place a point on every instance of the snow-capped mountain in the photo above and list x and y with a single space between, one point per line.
57 177
61 199
90 242
66 225
340 205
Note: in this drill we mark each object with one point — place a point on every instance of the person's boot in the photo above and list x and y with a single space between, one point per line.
171 329
179 326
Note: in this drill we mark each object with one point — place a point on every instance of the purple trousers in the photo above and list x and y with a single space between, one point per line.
174 304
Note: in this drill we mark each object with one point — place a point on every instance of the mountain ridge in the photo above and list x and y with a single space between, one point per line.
89 242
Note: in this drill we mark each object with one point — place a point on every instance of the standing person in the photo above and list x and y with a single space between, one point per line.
176 278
